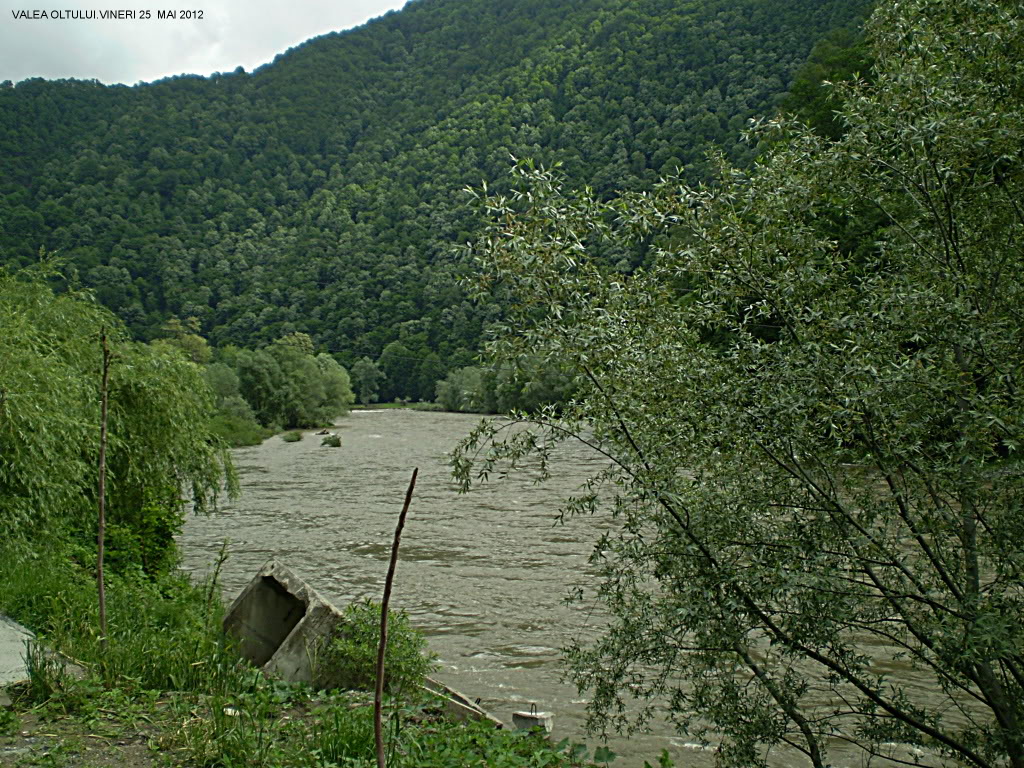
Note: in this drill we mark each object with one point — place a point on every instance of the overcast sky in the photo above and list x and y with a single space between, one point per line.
231 33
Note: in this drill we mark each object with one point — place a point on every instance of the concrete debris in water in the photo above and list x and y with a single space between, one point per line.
282 624
528 721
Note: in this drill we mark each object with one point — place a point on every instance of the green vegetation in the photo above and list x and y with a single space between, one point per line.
841 56
169 672
526 384
320 194
284 385
160 446
366 376
352 656
811 404
164 631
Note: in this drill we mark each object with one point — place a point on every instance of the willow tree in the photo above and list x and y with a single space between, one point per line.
160 455
812 442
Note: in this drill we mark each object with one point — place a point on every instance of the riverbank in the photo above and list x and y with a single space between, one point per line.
416 406
244 436
169 690
112 728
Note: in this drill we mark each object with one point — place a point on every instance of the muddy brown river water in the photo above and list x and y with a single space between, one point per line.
484 575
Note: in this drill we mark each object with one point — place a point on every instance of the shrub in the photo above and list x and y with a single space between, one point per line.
351 657
293 436
161 452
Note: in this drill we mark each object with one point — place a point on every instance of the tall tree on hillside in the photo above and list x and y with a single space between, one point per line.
398 364
366 378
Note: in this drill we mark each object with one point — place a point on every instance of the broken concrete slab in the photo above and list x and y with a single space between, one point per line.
458 706
13 638
533 720
282 625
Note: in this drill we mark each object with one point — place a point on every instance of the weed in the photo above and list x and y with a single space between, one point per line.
48 679
9 722
343 735
164 632
664 761
480 745
58 756
349 661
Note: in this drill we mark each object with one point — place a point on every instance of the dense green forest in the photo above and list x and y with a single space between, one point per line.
320 194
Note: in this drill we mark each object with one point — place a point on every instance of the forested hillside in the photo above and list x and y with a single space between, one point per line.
320 193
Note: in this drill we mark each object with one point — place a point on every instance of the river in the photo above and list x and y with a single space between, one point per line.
484 574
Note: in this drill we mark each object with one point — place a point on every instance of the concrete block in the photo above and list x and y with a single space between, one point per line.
13 639
282 625
458 706
532 720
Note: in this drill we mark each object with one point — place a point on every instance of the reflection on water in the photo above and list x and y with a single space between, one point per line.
482 574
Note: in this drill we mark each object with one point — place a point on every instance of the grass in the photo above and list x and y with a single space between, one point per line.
171 690
164 634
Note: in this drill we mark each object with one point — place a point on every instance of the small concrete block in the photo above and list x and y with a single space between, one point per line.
13 638
5 700
281 623
528 721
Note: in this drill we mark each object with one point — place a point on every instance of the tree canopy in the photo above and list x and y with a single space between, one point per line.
812 438
319 194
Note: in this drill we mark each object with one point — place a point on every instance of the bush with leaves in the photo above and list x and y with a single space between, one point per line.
287 386
464 389
812 447
161 451
366 378
350 660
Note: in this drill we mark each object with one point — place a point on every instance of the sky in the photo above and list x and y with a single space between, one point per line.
231 33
